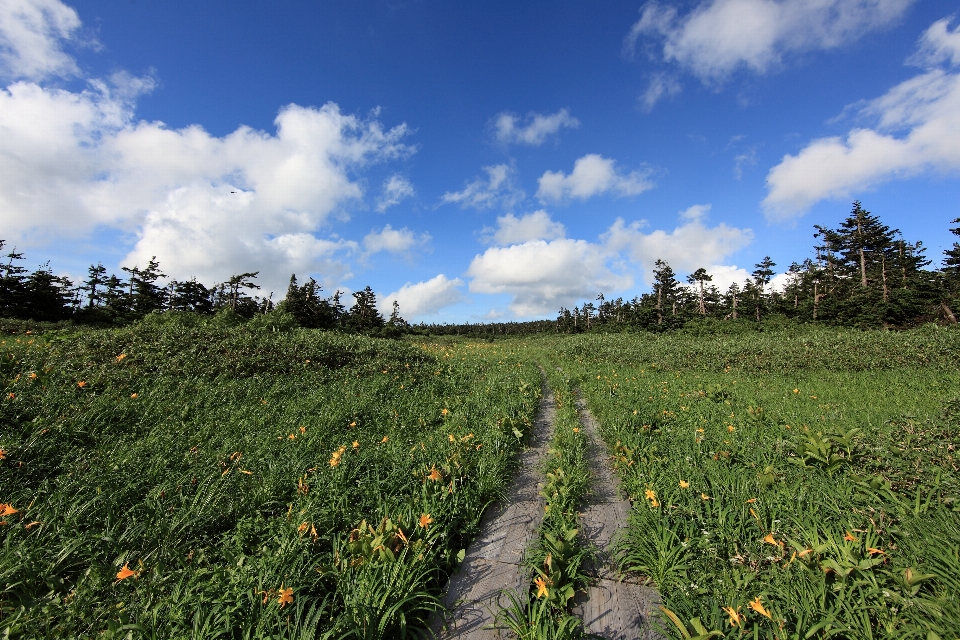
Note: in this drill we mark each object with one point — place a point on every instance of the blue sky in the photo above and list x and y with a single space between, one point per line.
474 161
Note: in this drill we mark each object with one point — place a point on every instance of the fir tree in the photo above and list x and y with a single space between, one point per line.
665 286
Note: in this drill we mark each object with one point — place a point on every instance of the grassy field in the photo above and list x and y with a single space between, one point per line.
787 486
176 479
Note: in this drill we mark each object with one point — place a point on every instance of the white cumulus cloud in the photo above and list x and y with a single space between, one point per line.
72 163
393 240
592 175
395 189
31 35
496 190
533 226
423 298
917 130
688 247
536 131
720 36
541 276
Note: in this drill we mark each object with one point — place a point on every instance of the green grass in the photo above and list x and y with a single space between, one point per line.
202 460
218 464
556 556
845 461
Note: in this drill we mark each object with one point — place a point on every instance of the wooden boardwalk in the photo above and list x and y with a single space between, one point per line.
615 606
494 561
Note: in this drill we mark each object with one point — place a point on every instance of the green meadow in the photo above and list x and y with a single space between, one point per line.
179 479
249 484
792 485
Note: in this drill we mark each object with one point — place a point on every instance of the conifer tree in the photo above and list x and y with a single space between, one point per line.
700 277
396 320
364 314
762 273
12 284
96 278
665 286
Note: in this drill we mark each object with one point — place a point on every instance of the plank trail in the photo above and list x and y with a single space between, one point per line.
615 607
494 561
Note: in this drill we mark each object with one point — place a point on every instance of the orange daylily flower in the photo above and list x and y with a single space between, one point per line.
302 527
757 606
849 537
576 429
8 510
121 357
541 587
796 390
82 384
352 424
730 428
11 396
356 444
875 552
451 438
425 520
336 455
769 539
704 496
750 501
385 438
434 474
286 596
303 429
125 572
684 484
734 615
444 411
33 375
754 514
3 454
133 395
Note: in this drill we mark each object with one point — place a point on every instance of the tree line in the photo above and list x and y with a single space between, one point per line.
862 273
109 300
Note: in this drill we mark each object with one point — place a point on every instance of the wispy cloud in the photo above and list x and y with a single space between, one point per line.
720 36
917 129
592 175
537 130
395 189
496 190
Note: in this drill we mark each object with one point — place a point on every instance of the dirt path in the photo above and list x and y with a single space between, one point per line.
494 561
615 606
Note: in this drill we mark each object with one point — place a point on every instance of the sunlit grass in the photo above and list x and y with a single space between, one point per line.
790 501
202 460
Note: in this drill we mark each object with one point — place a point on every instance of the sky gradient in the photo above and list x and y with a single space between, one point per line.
474 161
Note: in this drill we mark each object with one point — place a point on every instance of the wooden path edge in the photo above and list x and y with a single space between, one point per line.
494 561
615 606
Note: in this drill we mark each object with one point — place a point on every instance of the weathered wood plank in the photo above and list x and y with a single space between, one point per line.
615 607
494 561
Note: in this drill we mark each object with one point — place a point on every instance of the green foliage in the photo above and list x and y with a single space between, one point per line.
786 484
247 478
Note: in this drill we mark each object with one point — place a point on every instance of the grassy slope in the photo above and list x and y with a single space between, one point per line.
201 459
753 471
